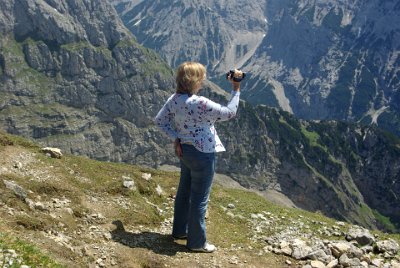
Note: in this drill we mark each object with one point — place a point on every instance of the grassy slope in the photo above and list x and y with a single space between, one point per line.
81 180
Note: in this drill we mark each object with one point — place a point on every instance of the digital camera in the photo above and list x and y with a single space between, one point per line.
231 73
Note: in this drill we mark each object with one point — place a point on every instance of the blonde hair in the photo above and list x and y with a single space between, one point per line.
188 76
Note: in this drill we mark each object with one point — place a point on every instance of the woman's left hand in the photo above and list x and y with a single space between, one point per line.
178 148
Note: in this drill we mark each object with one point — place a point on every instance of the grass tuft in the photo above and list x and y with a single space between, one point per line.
28 253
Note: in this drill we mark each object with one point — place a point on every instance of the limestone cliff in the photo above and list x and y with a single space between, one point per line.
220 34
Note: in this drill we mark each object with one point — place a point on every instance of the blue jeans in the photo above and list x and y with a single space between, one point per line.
197 172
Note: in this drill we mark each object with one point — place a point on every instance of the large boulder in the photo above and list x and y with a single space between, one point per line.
361 235
390 247
53 152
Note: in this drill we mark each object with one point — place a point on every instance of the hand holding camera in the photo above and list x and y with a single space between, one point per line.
235 75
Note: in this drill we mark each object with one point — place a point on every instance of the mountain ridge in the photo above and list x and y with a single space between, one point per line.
320 60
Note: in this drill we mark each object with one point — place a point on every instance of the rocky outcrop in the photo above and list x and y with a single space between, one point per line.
334 253
52 22
87 84
313 243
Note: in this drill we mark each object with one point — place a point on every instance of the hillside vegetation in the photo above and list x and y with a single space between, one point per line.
78 212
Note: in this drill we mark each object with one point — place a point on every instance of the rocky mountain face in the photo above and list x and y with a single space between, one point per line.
72 76
332 60
316 59
210 31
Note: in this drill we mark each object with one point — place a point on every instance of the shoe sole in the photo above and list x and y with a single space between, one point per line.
179 237
202 250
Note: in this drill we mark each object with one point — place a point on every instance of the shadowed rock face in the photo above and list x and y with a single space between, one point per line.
75 79
316 59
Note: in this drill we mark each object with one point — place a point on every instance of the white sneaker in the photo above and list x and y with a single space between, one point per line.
208 248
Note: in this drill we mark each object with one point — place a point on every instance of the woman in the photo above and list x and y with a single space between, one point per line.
189 120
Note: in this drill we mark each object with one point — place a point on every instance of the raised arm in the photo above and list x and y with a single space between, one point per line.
213 111
216 112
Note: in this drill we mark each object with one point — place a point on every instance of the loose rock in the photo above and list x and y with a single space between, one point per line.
333 263
317 264
388 246
231 206
300 249
159 190
146 176
130 184
18 190
361 235
53 152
